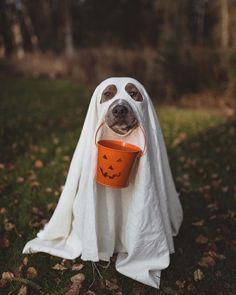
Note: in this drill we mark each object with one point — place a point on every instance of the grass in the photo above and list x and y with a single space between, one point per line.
40 123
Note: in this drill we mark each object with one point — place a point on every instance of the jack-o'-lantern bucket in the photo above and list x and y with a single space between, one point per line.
115 161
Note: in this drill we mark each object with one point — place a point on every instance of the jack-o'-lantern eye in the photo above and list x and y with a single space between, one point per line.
105 157
119 160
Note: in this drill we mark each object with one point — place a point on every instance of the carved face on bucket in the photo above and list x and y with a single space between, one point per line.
111 168
120 116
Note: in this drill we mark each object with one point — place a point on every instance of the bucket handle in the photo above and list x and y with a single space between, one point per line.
144 135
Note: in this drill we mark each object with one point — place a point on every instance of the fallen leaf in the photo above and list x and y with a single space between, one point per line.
25 260
9 226
7 276
3 210
36 211
4 243
201 239
48 190
198 275
137 290
180 284
59 267
31 273
111 285
180 138
51 206
77 266
199 223
168 290
74 290
2 283
34 184
78 279
23 290
206 261
20 180
190 287
38 164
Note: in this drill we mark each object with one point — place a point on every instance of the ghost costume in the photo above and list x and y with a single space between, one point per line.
137 222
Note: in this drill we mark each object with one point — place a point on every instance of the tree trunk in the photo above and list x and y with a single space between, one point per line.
69 45
224 24
30 28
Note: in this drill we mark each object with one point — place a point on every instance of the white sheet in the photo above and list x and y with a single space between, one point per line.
138 222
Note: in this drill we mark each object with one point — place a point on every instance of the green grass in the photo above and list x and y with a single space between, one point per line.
42 120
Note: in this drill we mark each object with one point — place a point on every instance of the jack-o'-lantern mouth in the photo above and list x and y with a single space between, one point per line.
106 175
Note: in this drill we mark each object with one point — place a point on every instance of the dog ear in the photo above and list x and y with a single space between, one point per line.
108 93
133 91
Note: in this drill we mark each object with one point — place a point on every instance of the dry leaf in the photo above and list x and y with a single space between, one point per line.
23 290
168 291
78 279
180 284
25 260
180 138
59 267
137 290
20 180
4 243
51 206
32 273
201 239
34 184
48 190
2 283
199 223
74 290
9 226
38 164
111 285
7 276
3 210
198 275
190 287
77 266
206 261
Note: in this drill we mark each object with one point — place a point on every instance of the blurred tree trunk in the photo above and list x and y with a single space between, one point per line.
2 47
16 33
29 28
200 7
224 24
7 45
69 45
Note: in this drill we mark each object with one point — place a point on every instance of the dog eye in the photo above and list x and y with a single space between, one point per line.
133 93
107 93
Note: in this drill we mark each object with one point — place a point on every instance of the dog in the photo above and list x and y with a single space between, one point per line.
120 116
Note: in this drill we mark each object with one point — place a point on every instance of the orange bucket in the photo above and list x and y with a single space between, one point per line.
115 161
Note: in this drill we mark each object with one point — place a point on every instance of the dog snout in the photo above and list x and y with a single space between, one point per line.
120 111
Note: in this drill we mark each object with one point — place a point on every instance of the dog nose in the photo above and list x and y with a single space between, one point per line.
120 111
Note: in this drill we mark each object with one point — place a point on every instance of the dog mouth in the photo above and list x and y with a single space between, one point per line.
120 118
106 175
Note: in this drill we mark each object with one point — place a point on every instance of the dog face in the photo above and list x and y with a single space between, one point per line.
120 116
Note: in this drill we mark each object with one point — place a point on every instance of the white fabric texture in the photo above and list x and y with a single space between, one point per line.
137 222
